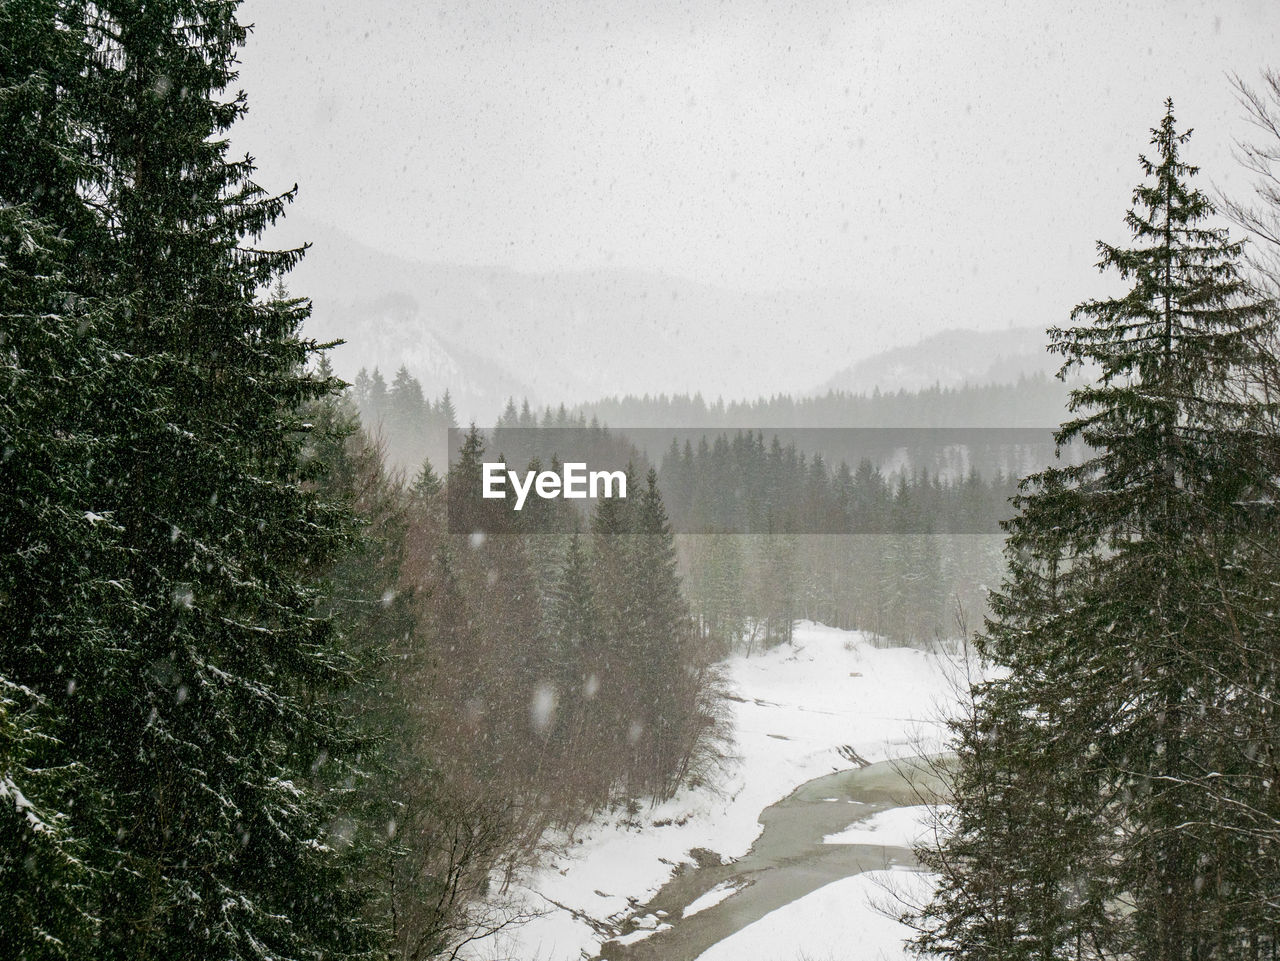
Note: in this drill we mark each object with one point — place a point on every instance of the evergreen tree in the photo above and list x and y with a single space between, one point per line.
185 679
54 545
660 635
612 709
1125 673
469 512
427 483
776 592
715 588
406 421
574 622
576 661
376 408
447 412
365 594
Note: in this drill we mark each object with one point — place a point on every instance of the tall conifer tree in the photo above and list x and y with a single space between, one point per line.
1133 671
189 695
54 545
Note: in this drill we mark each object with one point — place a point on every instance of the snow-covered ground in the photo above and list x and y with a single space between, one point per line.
851 918
805 709
904 827
713 897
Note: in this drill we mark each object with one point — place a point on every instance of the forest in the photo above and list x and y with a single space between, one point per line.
256 700
767 533
277 682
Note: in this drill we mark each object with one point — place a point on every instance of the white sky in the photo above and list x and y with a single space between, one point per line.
945 152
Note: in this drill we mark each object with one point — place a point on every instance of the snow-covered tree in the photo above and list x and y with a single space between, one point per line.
54 545
1133 726
157 606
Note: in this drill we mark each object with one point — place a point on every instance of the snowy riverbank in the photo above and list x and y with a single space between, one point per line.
802 711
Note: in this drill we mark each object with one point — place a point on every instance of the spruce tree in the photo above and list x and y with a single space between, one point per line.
575 664
426 483
1130 627
663 662
185 668
448 412
611 711
54 545
362 590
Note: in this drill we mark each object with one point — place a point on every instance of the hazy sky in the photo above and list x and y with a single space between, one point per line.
960 155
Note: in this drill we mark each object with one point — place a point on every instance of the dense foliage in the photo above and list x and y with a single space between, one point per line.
161 656
1115 789
255 700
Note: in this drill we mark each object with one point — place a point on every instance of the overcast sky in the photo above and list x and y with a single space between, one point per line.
942 151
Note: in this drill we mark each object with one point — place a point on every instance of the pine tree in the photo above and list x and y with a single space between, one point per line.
777 591
469 512
715 588
363 590
575 664
612 707
427 483
664 664
188 680
574 622
1123 667
448 412
406 421
54 365
360 389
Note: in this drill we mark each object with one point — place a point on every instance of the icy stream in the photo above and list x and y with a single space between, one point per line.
788 861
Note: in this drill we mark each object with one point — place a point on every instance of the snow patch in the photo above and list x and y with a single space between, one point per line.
640 934
855 917
903 827
9 791
721 892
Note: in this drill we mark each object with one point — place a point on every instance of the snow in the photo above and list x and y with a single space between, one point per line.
853 918
9 791
640 934
904 827
713 897
800 704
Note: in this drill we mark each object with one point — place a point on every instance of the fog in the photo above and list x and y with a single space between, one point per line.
945 164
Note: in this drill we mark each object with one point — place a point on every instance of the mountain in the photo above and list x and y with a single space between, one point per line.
487 333
950 359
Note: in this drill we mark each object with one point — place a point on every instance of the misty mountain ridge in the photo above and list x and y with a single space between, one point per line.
952 358
574 337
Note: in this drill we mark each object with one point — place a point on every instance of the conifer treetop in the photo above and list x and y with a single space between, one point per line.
1172 357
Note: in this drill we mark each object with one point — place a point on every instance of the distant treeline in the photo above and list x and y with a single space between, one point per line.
1007 427
1034 401
414 427
740 483
411 427
898 556
892 551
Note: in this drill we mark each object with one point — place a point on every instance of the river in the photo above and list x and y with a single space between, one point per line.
787 861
